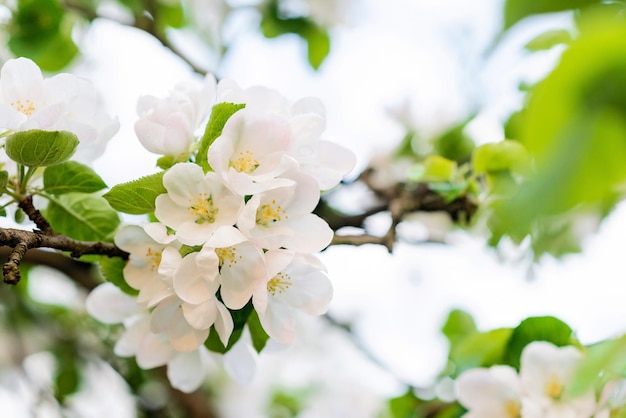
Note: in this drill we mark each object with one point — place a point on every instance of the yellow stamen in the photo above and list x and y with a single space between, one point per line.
27 107
155 259
553 388
513 409
245 162
227 256
279 283
202 207
270 213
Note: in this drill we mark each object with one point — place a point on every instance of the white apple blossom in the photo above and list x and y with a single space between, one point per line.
169 126
195 204
282 218
545 372
327 162
63 102
293 282
251 153
490 392
146 268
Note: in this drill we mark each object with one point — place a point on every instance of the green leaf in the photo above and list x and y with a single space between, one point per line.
138 196
549 39
258 334
516 10
604 360
540 328
454 144
112 269
500 156
170 14
459 325
480 349
4 179
71 176
318 44
81 216
37 148
434 169
405 405
67 373
220 113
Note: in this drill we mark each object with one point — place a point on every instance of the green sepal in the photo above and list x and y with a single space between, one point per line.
38 148
137 197
71 176
220 113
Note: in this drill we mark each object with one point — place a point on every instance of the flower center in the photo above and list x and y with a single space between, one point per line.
202 207
270 213
154 258
279 283
227 256
553 388
512 409
27 107
245 162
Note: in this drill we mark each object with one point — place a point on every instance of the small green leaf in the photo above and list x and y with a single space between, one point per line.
539 328
500 156
4 179
404 406
318 44
37 148
220 113
549 40
81 216
113 270
459 325
454 144
137 197
516 10
480 349
259 336
434 169
71 176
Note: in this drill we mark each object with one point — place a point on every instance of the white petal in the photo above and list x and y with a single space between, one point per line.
108 304
240 360
224 324
187 371
278 321
202 315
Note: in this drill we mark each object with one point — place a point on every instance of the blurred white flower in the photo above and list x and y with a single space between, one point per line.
63 102
490 392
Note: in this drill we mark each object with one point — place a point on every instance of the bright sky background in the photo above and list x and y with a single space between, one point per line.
393 51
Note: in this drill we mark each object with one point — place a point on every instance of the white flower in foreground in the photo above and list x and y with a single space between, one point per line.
612 399
144 270
62 102
494 392
293 282
228 261
169 126
545 372
196 205
282 218
251 153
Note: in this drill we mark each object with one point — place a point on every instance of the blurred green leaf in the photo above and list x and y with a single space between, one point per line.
405 405
434 168
500 156
38 148
516 10
549 40
138 196
81 216
480 349
67 373
540 328
170 14
71 176
458 325
220 114
454 144
605 359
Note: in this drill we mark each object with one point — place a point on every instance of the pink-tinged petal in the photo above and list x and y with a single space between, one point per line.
183 337
163 314
108 304
202 315
311 292
128 344
240 361
310 234
307 129
170 261
224 324
243 265
193 284
154 351
278 321
187 371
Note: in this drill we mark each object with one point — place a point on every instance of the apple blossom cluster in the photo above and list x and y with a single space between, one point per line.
541 388
63 102
235 229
